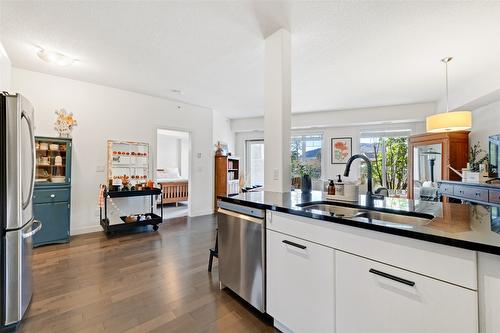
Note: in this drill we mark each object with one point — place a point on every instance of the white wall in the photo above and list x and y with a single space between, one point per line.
334 124
168 152
344 118
184 158
173 151
5 70
106 113
222 131
485 122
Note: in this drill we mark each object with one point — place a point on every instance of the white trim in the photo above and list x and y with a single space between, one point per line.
201 213
281 327
85 230
190 153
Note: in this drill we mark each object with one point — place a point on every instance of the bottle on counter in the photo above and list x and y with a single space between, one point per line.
331 187
339 186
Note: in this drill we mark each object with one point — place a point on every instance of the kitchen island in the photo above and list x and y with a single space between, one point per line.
433 268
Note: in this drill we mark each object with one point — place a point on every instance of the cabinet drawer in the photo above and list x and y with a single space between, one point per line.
447 263
470 192
494 196
51 195
373 297
300 284
446 188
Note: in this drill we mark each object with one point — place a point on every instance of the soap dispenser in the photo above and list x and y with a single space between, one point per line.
331 187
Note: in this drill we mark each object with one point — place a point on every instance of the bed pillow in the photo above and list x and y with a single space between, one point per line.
172 173
161 174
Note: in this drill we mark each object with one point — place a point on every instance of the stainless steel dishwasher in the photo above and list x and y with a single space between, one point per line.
242 252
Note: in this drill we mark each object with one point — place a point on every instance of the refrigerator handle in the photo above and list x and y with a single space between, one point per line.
32 141
33 231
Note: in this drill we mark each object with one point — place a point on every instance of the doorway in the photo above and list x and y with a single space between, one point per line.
172 172
254 163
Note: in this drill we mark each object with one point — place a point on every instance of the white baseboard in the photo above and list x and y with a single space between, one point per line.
85 230
201 213
281 327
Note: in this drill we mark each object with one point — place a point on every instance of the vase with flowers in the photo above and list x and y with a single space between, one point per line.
64 123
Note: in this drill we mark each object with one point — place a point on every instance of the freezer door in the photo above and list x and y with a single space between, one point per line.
18 275
20 152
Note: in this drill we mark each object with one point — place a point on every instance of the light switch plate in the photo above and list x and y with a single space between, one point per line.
100 168
276 174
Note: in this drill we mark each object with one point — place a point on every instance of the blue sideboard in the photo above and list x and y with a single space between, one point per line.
52 194
482 193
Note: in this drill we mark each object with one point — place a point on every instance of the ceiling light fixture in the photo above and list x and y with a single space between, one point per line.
449 121
53 57
176 91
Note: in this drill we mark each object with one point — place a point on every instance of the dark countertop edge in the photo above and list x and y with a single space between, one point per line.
456 182
387 230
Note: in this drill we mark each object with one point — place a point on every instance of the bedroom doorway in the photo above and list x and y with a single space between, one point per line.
172 171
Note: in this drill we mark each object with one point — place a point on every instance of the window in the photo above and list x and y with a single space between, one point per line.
306 151
388 151
255 162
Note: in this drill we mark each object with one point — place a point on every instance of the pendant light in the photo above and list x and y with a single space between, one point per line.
449 121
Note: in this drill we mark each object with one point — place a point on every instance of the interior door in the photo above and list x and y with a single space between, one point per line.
27 151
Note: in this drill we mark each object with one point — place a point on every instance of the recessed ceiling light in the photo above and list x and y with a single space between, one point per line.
176 91
53 57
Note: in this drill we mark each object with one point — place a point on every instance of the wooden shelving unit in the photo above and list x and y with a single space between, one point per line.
227 176
453 148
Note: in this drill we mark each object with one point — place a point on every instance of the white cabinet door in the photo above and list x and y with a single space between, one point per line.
377 298
300 284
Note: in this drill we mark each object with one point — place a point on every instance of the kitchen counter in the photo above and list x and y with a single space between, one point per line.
495 186
472 227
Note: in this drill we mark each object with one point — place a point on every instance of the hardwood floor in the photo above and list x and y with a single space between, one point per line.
140 282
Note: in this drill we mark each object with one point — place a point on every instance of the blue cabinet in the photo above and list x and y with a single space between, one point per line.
55 222
52 194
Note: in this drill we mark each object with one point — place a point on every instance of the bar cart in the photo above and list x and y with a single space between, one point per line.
128 223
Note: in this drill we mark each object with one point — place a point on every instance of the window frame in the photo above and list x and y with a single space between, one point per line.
321 134
248 158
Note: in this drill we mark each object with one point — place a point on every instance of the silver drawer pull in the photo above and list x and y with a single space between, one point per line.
52 195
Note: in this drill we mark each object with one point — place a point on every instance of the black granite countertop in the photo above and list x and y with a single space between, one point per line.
472 227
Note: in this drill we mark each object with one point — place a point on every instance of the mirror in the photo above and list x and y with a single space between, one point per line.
427 170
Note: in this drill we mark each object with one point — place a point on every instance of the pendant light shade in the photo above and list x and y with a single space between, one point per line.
449 121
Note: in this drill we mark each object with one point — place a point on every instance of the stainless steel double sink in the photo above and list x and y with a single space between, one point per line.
369 215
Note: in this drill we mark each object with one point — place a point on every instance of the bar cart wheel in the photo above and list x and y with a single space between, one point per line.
156 227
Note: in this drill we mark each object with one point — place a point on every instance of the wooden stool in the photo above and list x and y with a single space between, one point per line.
213 252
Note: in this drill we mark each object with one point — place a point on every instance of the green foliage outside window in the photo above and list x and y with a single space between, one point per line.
396 162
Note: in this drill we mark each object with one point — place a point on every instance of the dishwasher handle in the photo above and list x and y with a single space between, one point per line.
240 216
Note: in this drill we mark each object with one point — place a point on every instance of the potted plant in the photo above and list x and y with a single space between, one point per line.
476 164
305 172
475 161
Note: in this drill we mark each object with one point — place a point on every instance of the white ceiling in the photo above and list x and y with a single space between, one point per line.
344 54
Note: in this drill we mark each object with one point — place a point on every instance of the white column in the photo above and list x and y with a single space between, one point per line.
277 112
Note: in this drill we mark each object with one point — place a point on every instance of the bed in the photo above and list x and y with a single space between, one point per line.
174 187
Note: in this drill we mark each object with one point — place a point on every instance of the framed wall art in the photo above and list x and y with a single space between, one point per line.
341 150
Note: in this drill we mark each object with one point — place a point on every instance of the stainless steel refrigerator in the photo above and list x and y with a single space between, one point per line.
17 178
